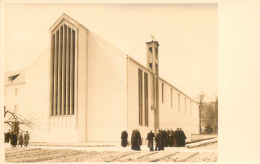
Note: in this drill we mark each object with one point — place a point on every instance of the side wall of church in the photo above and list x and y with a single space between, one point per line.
14 102
174 113
133 101
106 99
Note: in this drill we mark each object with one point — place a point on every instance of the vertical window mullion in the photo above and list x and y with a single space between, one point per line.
52 72
55 74
69 65
162 91
63 72
59 72
65 69
140 87
141 97
72 70
146 98
68 73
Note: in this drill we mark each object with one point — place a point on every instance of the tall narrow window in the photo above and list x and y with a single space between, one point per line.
150 58
140 91
146 120
171 97
63 71
179 105
162 92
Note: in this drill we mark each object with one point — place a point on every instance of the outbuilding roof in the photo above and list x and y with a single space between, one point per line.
14 77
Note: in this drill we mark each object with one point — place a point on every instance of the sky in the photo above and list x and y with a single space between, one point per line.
187 34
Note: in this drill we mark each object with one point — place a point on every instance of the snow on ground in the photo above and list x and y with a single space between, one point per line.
202 153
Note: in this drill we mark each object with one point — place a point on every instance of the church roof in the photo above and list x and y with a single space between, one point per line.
68 19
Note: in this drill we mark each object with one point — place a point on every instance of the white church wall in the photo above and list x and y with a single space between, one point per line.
133 101
176 115
81 91
106 110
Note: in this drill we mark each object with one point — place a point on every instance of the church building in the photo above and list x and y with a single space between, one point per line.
85 90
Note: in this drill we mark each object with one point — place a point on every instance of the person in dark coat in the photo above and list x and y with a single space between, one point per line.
8 134
182 137
136 140
158 141
139 140
21 140
133 140
164 139
124 137
171 138
176 138
26 138
150 137
168 137
5 134
13 139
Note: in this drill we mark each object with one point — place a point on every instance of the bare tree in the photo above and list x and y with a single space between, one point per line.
201 97
14 120
215 127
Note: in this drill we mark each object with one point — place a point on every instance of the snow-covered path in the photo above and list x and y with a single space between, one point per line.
203 153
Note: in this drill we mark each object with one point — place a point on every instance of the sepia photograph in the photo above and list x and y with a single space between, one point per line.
110 82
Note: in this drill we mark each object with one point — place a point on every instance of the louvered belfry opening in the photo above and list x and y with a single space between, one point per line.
62 70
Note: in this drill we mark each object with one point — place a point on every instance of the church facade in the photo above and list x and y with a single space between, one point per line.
92 91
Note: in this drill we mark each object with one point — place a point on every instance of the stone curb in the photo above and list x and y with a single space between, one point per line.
203 143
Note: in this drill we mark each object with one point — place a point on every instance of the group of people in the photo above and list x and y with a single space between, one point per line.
163 138
12 137
168 138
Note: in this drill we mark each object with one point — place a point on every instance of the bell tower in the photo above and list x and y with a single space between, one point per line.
152 65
